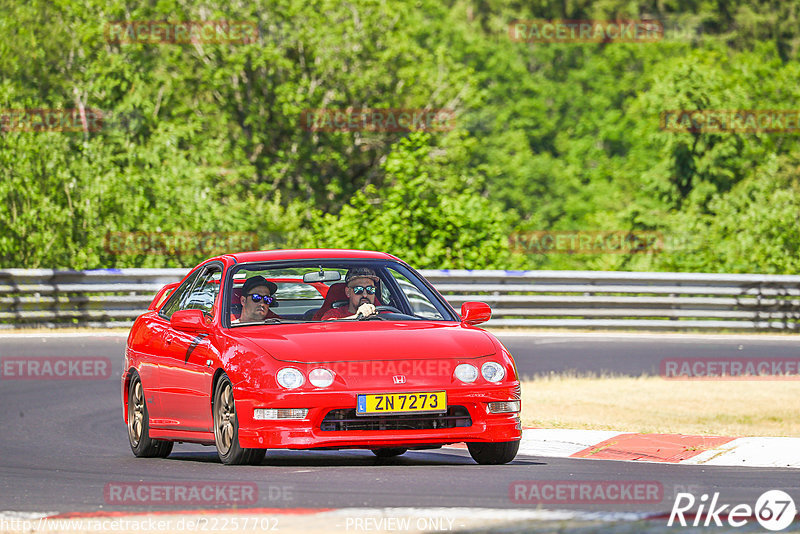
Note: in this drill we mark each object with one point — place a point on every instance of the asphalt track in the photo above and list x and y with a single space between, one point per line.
62 442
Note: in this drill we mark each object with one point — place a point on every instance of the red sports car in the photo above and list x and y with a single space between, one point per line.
316 349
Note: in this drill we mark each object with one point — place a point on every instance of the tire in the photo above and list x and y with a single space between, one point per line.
493 453
389 452
139 425
226 428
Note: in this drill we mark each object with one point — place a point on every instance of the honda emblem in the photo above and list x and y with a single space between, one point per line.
399 379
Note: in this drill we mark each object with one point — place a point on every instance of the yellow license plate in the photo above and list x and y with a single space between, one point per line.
393 403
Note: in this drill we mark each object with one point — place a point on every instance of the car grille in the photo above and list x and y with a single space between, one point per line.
345 420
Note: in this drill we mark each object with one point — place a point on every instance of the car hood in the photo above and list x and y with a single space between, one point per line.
369 340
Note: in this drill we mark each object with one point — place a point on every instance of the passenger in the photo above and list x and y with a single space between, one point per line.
362 285
256 298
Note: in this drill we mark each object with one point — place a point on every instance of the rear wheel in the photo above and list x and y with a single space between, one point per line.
139 425
493 453
389 452
226 428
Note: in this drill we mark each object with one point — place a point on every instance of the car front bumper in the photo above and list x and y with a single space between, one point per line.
307 433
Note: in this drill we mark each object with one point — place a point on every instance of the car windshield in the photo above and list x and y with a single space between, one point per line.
309 291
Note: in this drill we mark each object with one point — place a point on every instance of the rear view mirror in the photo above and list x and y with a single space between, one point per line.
322 276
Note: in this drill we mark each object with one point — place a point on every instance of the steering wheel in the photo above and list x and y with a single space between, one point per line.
387 308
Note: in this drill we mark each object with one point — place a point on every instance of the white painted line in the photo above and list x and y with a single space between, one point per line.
752 452
641 335
485 514
9 515
47 335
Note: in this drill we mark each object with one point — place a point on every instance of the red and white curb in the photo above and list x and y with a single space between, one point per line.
664 448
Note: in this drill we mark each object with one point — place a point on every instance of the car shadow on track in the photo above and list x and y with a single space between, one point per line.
284 458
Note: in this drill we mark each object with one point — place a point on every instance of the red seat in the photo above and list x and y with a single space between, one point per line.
236 302
335 294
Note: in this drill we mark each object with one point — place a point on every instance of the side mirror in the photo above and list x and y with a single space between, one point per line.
189 321
473 313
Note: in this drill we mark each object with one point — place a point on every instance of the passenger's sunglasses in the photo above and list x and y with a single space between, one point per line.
360 289
258 298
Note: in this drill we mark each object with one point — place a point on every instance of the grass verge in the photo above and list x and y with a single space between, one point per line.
652 404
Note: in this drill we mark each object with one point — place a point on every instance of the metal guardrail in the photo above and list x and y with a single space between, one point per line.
562 299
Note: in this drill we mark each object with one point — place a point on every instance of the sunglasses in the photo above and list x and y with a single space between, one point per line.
360 289
258 298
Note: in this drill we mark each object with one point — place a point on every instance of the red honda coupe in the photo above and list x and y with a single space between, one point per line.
316 349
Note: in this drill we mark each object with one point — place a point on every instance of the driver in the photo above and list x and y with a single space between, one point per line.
256 298
362 285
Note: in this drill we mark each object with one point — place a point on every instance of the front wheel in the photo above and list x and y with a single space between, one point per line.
493 453
139 425
226 428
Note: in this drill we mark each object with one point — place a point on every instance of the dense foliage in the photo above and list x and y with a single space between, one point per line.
210 137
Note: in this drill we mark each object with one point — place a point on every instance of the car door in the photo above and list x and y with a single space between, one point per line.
153 347
185 370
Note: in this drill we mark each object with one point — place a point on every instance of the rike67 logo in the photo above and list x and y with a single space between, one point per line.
774 510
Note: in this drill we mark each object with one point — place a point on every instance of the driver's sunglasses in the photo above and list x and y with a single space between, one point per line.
258 298
360 289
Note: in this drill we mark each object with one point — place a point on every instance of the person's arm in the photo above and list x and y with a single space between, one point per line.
365 310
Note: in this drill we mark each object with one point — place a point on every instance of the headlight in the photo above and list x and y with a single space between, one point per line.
290 378
320 377
493 371
466 372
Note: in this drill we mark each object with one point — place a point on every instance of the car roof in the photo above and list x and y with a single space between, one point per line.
309 254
